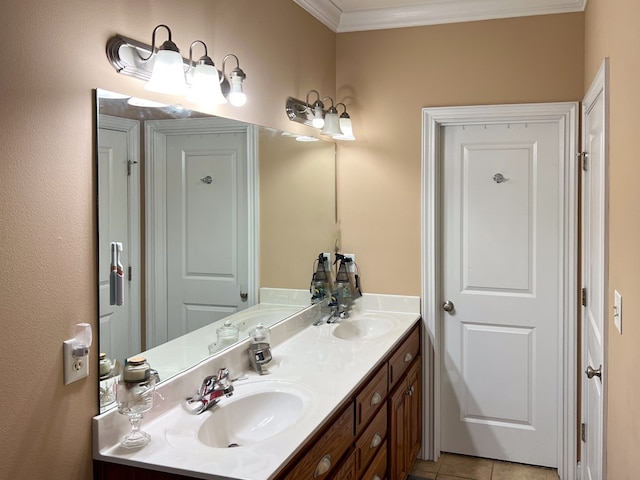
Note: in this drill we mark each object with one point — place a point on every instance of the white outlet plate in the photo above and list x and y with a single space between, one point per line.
617 310
352 265
75 368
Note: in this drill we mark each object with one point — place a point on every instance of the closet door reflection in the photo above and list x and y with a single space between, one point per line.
119 207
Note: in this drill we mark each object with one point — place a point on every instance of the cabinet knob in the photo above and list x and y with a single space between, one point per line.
323 466
408 357
376 440
376 477
375 399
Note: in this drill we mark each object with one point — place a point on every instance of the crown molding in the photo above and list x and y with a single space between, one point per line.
433 12
324 10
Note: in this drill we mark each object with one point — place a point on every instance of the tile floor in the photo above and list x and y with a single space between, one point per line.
461 467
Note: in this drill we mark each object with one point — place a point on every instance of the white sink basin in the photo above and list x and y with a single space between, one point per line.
256 412
364 327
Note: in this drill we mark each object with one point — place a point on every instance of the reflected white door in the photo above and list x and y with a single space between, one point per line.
594 315
207 222
502 271
118 203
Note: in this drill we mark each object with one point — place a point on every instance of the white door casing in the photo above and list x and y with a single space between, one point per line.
435 120
594 273
119 221
188 284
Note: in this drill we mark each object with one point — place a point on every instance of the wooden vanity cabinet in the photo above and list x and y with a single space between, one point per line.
374 435
322 459
405 422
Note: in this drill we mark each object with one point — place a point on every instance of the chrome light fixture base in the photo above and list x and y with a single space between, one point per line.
135 59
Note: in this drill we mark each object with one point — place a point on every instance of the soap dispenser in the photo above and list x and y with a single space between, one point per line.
259 348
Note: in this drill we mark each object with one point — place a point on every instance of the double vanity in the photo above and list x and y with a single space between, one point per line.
339 401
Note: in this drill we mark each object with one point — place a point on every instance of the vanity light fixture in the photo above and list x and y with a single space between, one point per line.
237 96
313 114
331 121
345 125
167 75
166 71
205 86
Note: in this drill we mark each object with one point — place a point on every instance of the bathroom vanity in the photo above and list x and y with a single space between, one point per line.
344 401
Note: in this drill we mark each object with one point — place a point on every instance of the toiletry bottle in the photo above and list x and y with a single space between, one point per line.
319 281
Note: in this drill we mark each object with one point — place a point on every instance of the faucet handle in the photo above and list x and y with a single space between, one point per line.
223 374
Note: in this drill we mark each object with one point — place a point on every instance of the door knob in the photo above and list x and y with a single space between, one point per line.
594 373
448 306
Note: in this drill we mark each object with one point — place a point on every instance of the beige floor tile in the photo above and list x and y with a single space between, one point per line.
552 475
465 467
425 475
425 466
442 476
514 471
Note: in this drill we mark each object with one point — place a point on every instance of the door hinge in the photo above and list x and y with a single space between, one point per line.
130 273
129 163
583 297
584 165
583 432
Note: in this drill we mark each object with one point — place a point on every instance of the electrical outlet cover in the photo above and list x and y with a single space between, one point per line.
617 310
75 368
352 265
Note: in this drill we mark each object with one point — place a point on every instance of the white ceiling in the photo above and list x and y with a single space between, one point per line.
357 15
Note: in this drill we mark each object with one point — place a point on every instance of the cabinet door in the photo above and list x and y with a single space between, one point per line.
413 412
397 433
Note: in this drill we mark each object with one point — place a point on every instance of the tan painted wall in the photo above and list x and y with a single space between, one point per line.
388 76
611 30
297 208
53 56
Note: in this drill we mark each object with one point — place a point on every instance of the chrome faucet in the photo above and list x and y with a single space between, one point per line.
212 389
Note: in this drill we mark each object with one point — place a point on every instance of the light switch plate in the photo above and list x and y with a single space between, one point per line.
75 368
617 310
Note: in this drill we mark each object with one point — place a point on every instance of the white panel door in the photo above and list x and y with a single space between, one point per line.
501 270
594 276
207 212
118 222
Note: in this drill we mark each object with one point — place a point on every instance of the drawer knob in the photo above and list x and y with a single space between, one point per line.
376 477
323 466
376 440
408 357
375 399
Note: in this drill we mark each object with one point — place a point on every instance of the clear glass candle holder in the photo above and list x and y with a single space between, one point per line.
134 399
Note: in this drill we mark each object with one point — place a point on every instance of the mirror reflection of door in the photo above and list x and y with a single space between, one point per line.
118 203
200 166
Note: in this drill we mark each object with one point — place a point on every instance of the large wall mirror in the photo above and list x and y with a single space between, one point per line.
197 215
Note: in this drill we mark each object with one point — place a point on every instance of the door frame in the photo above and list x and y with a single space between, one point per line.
599 86
565 114
156 265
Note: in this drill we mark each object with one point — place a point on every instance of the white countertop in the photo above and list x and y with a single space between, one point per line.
327 368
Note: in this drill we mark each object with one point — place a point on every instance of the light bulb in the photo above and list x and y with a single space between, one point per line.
237 97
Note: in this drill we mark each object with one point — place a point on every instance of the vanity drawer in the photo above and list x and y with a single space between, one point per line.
371 441
321 460
404 356
371 398
378 468
347 470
